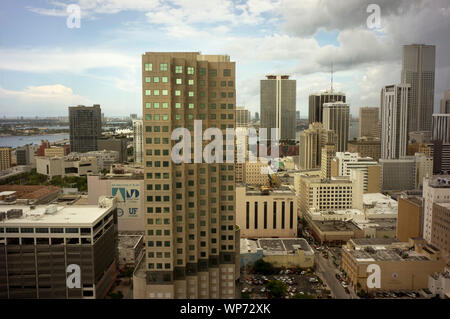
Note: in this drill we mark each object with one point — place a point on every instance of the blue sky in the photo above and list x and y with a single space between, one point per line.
46 66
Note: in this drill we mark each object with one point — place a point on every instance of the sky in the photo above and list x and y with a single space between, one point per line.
45 66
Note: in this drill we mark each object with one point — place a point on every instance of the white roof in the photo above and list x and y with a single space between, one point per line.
83 215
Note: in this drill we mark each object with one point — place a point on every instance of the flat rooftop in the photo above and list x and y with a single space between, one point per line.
29 191
380 204
374 241
129 240
283 246
256 191
335 225
248 246
387 255
77 215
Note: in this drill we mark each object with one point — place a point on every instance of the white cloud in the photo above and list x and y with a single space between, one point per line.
53 99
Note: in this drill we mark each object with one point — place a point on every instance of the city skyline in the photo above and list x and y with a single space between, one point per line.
54 66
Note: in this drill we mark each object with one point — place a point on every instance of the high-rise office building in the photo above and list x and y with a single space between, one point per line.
395 101
190 232
441 127
419 71
328 153
242 117
278 104
317 100
256 116
336 117
368 121
312 140
445 103
5 158
85 127
366 147
138 142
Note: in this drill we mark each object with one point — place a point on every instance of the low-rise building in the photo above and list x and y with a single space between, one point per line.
256 173
104 158
250 252
28 194
42 245
287 252
131 249
266 212
66 166
403 266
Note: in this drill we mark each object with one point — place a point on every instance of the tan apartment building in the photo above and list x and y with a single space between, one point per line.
190 207
409 219
403 266
242 117
5 158
266 213
366 147
314 192
256 173
311 142
66 166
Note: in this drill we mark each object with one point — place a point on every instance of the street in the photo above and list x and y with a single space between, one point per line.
328 272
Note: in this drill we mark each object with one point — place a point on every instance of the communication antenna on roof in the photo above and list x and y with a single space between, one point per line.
332 73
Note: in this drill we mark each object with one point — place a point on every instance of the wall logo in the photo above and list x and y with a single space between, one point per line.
74 279
124 194
374 279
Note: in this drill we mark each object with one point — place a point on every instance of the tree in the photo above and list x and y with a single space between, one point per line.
245 295
263 267
117 295
302 296
276 288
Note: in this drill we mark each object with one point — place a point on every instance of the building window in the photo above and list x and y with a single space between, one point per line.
265 215
282 214
163 67
178 69
256 215
148 67
147 92
274 215
164 79
147 79
190 70
247 216
227 72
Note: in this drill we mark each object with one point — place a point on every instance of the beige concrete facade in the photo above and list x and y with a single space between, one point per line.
54 151
312 140
368 121
65 166
440 228
409 220
262 215
366 148
190 207
328 153
255 173
5 158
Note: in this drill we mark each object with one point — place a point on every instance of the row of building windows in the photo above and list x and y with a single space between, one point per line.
45 230
191 106
190 70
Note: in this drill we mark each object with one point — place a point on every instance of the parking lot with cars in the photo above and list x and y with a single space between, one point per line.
303 282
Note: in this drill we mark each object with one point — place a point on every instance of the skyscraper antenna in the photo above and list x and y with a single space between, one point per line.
332 71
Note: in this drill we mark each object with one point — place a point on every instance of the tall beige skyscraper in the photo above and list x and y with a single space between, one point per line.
395 102
278 104
328 153
368 121
190 236
419 62
336 117
242 117
312 140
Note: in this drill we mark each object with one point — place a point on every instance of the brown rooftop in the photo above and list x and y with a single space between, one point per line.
30 191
